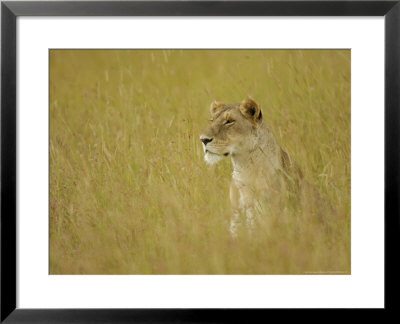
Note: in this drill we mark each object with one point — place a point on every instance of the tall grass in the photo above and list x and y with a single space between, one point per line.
129 190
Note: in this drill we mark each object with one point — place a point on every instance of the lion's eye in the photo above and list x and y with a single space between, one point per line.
229 122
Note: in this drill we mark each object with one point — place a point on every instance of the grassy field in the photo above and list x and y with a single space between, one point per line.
130 192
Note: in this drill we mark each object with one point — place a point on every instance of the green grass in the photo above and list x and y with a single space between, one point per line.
129 190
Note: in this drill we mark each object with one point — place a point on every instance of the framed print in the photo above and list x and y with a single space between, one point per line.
190 161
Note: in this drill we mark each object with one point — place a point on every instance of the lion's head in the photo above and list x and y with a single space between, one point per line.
232 131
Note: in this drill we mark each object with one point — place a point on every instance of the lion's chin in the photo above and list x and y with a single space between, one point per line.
212 158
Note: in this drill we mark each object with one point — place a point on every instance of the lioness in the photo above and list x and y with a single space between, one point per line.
261 168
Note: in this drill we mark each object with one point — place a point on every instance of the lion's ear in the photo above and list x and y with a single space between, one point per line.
216 106
251 109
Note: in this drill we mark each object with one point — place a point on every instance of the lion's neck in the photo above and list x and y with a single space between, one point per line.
260 160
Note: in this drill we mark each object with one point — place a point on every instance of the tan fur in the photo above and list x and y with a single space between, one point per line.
261 168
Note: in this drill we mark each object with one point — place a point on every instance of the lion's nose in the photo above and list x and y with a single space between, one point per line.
205 140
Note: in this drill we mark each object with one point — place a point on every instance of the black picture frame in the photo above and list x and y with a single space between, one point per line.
10 10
